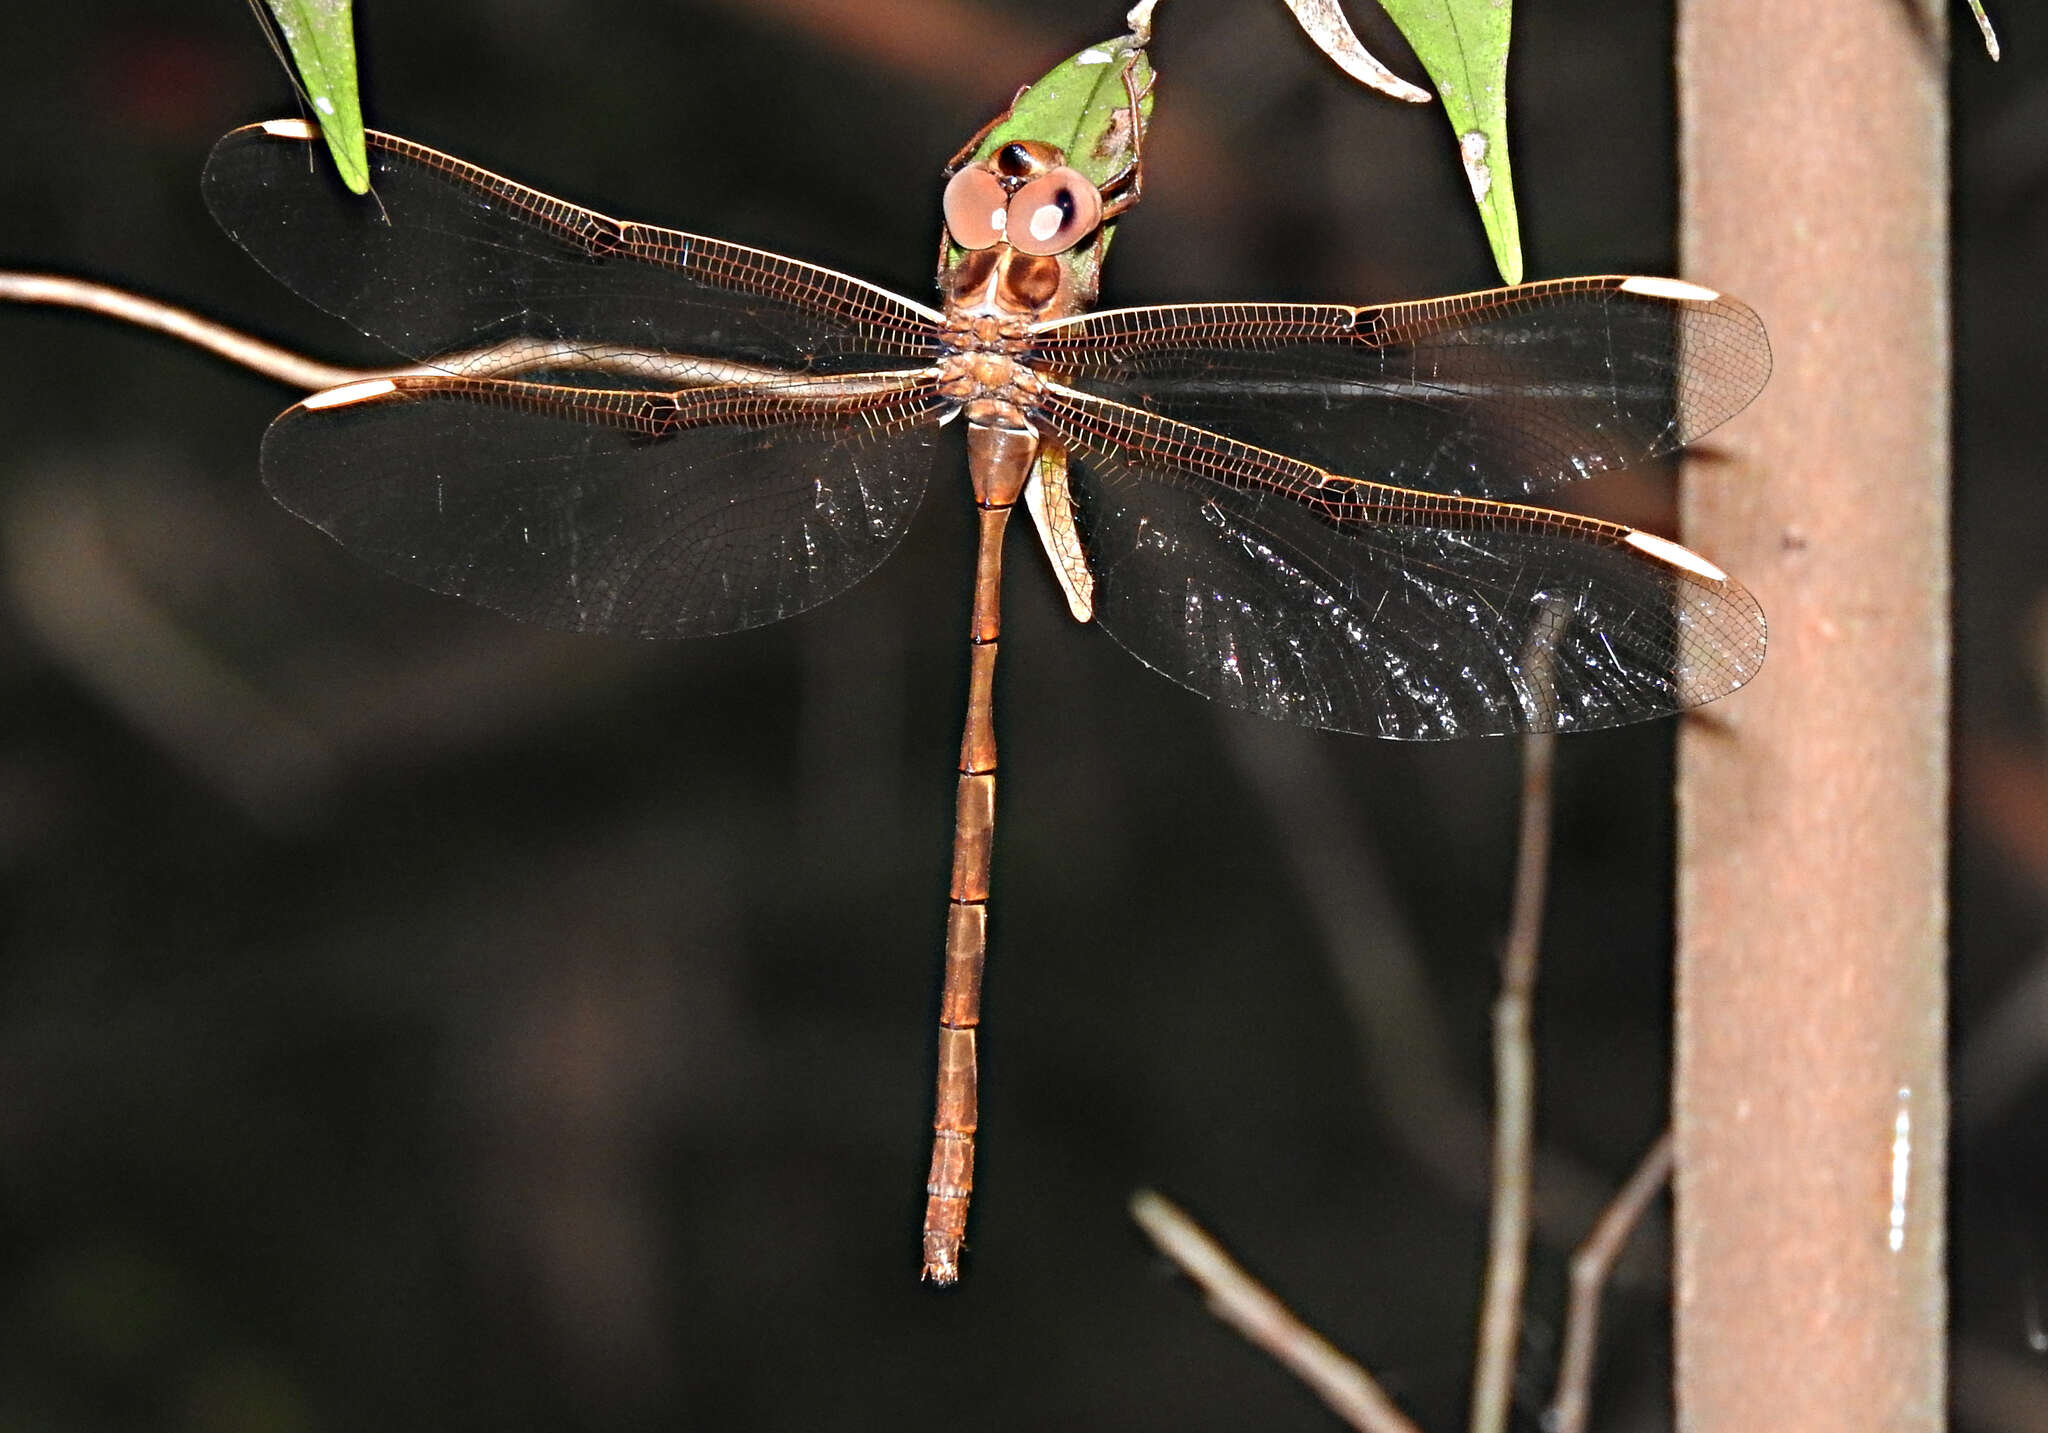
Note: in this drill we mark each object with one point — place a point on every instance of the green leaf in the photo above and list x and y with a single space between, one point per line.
1082 106
1464 46
320 35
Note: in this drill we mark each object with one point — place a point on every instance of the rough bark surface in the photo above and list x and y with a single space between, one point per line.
1812 806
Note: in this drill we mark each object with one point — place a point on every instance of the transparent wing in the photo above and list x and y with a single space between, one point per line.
629 511
442 256
1273 586
1506 393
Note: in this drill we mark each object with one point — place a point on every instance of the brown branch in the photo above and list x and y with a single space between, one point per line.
1249 1307
1590 1267
1514 1056
508 358
292 369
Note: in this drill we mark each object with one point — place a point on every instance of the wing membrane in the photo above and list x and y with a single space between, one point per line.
444 256
1506 393
1273 586
626 511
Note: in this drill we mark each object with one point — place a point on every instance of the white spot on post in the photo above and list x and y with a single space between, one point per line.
1902 1167
1672 555
323 104
1677 289
1093 57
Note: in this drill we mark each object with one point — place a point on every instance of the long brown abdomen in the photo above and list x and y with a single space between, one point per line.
999 460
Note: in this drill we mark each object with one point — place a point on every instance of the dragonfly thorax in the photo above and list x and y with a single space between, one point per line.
975 331
983 368
1009 283
991 387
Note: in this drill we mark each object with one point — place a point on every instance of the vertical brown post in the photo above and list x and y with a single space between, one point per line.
1812 806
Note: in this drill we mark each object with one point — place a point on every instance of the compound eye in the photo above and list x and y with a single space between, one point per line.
975 208
1054 212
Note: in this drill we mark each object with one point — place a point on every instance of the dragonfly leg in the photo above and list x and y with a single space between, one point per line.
966 153
1124 188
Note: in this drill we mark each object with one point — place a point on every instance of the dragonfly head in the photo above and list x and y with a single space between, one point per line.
1024 195
1011 216
1030 203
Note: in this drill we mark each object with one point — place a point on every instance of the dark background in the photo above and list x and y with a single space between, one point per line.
410 1020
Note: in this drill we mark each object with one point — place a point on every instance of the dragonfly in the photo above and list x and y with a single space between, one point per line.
1316 512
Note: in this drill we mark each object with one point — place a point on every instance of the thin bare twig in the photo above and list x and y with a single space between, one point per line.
268 359
1340 880
68 587
508 358
1590 1266
1514 1063
1249 1307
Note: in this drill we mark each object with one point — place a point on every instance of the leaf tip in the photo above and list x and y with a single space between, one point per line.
1984 24
1325 24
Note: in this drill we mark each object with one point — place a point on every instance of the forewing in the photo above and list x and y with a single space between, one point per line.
1504 394
442 256
624 511
1350 606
